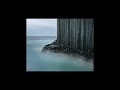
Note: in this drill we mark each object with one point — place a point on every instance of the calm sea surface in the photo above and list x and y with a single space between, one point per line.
38 61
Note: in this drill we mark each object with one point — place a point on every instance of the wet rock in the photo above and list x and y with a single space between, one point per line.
53 47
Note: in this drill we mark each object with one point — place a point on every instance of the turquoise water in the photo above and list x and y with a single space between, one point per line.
38 61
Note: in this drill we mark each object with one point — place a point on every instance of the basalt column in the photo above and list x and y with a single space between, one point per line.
76 33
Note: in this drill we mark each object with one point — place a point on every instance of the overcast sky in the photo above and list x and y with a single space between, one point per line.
41 27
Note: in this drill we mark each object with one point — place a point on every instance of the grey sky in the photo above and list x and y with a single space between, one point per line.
41 27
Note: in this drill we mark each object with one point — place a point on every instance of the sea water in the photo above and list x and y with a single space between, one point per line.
39 61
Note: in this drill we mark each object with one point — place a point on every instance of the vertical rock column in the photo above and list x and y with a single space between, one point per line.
79 39
76 33
58 32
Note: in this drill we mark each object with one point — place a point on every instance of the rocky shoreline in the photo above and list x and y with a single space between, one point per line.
53 47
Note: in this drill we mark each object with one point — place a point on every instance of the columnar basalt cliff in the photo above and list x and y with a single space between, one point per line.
74 36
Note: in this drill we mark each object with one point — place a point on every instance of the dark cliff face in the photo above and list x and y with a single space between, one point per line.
74 36
76 33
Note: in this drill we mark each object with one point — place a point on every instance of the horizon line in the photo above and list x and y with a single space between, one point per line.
27 36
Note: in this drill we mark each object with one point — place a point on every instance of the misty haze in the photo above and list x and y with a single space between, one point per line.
43 47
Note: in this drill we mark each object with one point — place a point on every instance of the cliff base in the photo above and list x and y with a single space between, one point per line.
53 47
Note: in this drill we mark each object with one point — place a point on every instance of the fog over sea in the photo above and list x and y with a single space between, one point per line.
39 61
